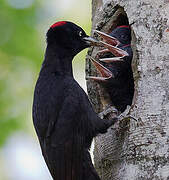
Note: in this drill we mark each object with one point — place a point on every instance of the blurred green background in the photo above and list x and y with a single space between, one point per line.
23 27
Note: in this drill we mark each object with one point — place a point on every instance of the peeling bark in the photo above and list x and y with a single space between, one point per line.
136 149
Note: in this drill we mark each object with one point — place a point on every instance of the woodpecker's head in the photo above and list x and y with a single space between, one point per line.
69 36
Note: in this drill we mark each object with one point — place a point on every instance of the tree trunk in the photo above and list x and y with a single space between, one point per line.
136 149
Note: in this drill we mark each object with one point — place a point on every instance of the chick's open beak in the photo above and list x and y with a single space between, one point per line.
107 38
104 73
111 43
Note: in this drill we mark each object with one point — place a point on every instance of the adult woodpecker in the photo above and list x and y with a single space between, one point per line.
115 69
63 117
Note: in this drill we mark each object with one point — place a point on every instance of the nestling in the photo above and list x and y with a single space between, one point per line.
115 69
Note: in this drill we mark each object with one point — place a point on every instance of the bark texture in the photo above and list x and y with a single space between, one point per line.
136 149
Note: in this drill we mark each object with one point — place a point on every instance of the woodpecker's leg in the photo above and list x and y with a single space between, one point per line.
125 117
105 113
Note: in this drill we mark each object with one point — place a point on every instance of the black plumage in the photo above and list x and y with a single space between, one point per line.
63 117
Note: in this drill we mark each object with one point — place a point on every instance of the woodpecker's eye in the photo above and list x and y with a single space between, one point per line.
80 33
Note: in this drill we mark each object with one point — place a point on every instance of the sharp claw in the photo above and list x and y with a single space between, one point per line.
113 59
109 39
114 50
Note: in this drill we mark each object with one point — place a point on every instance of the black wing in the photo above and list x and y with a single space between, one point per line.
62 143
66 124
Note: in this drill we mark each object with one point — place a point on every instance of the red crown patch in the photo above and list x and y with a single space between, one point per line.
60 23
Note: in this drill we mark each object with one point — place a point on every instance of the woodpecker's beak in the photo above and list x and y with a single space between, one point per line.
104 73
91 41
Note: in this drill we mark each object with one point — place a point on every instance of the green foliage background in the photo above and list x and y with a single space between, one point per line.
22 46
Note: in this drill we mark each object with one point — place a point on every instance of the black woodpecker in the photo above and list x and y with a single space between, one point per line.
63 117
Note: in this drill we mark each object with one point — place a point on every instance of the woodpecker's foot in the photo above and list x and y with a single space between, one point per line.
109 113
126 114
125 118
122 123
